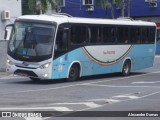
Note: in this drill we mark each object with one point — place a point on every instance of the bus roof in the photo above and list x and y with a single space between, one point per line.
59 19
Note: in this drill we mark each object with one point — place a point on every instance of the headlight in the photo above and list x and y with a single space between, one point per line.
45 66
9 62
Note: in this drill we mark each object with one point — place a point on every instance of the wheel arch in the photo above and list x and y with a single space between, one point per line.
79 65
127 58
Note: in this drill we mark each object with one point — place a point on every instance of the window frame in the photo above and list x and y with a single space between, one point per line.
81 26
84 2
63 3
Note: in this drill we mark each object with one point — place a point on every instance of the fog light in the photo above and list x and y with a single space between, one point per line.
45 75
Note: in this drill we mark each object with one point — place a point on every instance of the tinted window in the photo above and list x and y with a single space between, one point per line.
94 34
152 35
135 35
123 33
158 34
62 40
78 34
108 34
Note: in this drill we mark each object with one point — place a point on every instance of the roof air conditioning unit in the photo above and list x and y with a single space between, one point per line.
6 15
90 8
153 4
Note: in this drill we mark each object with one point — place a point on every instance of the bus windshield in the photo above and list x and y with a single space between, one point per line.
30 39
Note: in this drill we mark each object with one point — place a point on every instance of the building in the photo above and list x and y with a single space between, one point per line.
82 8
9 10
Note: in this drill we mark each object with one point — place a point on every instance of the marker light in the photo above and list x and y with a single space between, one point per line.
45 75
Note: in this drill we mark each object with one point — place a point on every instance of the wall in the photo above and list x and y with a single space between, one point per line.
142 8
76 9
3 53
138 8
15 9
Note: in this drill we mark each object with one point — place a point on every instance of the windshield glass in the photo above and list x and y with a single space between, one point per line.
30 39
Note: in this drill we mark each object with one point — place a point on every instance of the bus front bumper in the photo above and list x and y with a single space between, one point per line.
29 72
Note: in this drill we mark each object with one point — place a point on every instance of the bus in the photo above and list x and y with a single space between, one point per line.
60 46
158 39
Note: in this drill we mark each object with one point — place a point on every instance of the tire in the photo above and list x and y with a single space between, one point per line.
73 73
126 68
35 79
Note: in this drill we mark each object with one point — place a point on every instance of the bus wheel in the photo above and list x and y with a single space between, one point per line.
126 68
35 79
74 73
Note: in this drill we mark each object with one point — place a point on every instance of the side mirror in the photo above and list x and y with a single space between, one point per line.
8 31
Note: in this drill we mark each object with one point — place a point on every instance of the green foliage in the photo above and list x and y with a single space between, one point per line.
105 4
41 6
108 4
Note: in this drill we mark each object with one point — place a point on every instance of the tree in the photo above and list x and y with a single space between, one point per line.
41 6
128 7
25 8
109 4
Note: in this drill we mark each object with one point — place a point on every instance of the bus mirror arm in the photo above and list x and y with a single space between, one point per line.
9 26
5 34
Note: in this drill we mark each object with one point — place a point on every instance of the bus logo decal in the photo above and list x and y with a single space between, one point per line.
107 57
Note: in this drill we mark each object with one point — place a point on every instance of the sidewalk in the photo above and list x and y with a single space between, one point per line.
4 74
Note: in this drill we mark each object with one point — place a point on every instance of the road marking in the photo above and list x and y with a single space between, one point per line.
143 82
111 101
62 109
121 86
67 86
89 104
126 96
154 93
38 90
11 76
156 72
39 108
157 56
33 118
92 105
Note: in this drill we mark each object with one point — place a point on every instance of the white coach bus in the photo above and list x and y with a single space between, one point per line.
60 46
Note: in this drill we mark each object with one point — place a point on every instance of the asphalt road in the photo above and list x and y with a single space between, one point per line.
94 95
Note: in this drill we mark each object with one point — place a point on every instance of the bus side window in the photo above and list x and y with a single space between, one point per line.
123 36
152 35
158 35
62 40
107 34
95 34
135 35
114 35
145 35
78 34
